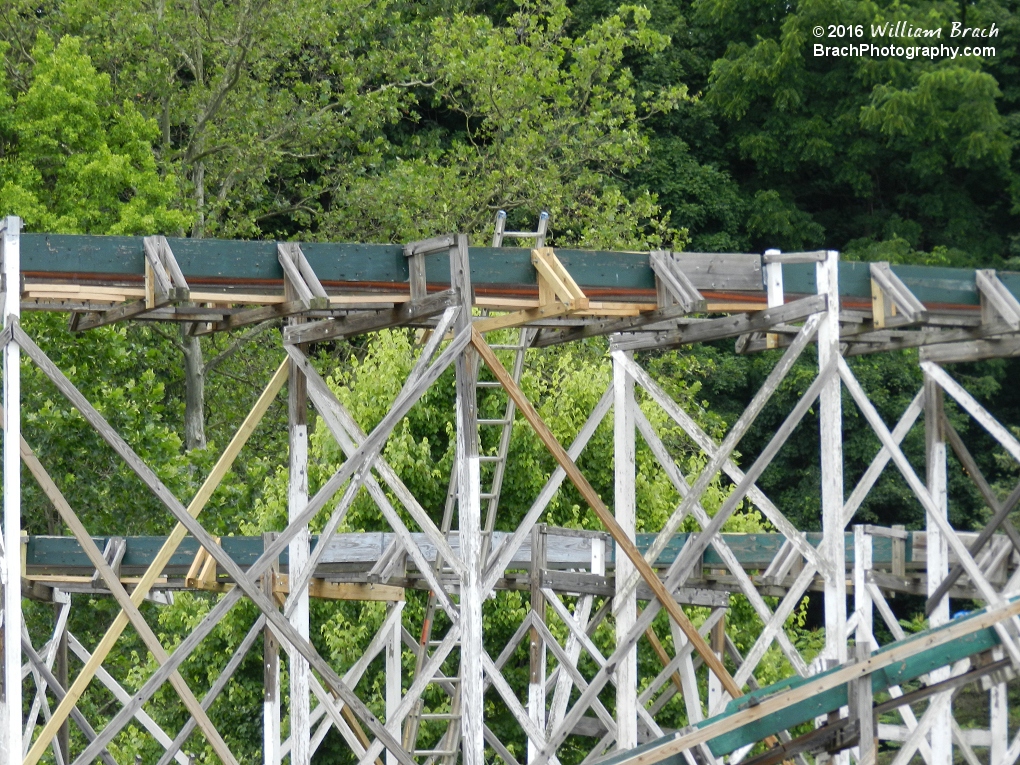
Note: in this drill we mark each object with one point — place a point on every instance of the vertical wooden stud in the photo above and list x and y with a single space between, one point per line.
298 554
470 517
774 291
393 671
863 606
831 449
941 737
717 697
271 687
625 512
861 704
536 684
998 718
10 670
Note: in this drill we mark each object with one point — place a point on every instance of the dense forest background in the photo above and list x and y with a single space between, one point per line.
705 125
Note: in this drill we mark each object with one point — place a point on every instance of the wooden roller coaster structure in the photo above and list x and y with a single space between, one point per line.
577 580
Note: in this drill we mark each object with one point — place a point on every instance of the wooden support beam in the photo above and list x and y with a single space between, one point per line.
997 302
372 321
972 350
1000 512
326 590
558 295
718 329
888 290
673 283
129 606
604 515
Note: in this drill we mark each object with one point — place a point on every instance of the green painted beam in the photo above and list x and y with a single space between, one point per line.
63 553
220 259
758 550
931 284
820 704
204 260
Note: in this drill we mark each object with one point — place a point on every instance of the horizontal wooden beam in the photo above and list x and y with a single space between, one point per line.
718 329
371 321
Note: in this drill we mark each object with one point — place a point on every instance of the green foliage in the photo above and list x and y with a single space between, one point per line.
76 161
530 118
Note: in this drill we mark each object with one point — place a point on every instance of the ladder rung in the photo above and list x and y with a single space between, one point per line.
489 384
505 347
501 421
486 495
435 752
489 458
522 234
439 716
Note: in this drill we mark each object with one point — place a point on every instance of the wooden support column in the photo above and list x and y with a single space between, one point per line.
861 704
863 605
10 633
270 688
469 509
536 683
717 697
830 417
941 737
298 551
998 722
625 510
393 654
60 672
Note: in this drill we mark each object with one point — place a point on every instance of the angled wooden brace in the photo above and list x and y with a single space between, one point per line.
558 294
164 280
997 302
114 554
202 574
299 279
890 296
672 284
164 285
302 292
555 282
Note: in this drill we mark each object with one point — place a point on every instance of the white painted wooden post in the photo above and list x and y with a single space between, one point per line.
998 719
863 606
298 552
830 418
270 690
10 692
393 670
941 737
470 519
774 292
537 663
625 510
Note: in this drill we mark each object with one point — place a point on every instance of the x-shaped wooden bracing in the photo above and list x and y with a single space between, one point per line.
246 582
720 459
867 595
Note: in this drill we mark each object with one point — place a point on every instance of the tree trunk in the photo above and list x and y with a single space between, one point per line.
194 391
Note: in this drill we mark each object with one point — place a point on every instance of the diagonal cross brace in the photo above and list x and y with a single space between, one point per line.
605 516
246 582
